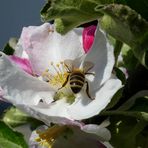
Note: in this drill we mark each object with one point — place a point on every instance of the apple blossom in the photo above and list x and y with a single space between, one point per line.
46 50
94 136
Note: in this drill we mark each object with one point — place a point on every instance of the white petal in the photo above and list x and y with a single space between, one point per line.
56 112
101 54
32 141
78 139
20 87
45 46
48 115
88 108
55 109
102 133
79 31
107 144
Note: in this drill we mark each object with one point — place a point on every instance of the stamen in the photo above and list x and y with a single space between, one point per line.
61 73
48 137
58 78
56 75
56 70
64 66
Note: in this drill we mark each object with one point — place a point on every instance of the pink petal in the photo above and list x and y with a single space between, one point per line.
43 44
23 63
26 35
88 37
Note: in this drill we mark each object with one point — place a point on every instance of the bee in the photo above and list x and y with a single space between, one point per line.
76 76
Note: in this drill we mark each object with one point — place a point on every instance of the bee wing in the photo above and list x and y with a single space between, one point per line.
87 66
69 64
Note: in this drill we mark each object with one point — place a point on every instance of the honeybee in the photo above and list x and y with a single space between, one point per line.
76 76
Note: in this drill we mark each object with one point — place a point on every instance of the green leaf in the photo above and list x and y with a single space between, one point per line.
10 138
124 23
141 52
141 6
141 104
131 101
15 117
135 107
127 132
71 13
117 50
130 62
127 26
120 75
135 114
115 99
10 46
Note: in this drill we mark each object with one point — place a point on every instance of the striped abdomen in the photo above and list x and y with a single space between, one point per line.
76 80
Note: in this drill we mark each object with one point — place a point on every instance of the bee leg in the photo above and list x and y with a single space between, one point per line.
64 83
87 91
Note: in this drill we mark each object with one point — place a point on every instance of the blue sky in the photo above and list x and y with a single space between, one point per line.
15 14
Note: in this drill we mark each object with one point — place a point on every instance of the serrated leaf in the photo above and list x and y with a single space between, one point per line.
10 138
71 13
128 26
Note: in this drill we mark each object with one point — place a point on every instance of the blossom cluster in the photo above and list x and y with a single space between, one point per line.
61 80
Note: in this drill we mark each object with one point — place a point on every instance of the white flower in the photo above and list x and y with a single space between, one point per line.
47 51
94 136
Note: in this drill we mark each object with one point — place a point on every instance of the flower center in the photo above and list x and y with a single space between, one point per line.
47 138
56 75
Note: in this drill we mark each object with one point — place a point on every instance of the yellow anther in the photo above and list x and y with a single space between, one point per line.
58 65
48 137
58 75
47 70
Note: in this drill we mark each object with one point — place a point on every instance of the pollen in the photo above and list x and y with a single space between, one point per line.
48 137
